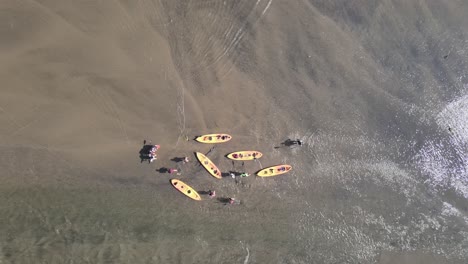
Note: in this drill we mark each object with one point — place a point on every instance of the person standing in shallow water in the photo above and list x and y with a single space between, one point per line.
290 143
296 142
211 193
232 201
170 171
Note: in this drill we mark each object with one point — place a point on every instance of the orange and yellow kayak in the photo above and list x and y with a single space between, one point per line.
214 138
185 189
244 155
209 165
274 170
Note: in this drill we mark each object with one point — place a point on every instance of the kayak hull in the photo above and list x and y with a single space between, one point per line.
274 170
208 165
185 189
214 138
245 155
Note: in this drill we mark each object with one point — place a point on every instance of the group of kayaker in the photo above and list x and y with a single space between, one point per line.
149 153
241 155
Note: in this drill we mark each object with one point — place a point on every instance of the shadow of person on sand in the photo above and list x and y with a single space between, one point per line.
144 158
146 149
178 159
287 143
224 200
230 173
162 170
144 152
227 201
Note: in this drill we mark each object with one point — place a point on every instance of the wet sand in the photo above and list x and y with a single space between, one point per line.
370 87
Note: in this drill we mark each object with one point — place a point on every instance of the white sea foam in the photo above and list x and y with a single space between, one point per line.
445 162
449 210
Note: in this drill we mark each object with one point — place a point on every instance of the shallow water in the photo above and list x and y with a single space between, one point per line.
372 88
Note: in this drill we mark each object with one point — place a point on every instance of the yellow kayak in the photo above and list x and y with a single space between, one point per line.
185 189
274 170
209 165
214 138
245 155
